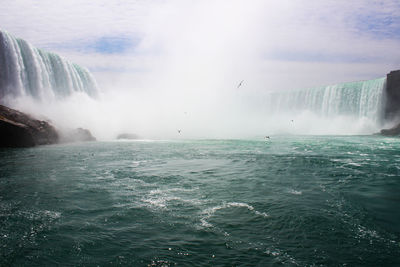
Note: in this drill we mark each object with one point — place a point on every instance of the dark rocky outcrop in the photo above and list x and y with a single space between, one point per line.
392 96
18 129
392 103
129 136
394 131
77 135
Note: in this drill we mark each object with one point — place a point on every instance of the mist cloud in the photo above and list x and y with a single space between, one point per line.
171 58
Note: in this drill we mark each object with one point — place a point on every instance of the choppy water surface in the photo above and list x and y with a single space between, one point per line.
292 201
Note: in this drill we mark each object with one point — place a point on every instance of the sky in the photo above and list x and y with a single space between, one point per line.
177 49
278 44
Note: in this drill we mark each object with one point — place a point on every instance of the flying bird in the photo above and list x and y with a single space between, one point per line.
179 131
240 84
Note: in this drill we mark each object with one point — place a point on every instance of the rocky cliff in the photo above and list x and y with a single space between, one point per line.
76 135
18 129
392 103
392 96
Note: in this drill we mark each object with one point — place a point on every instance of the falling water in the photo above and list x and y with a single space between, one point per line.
29 71
356 99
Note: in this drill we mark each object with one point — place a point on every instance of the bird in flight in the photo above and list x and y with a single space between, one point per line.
240 84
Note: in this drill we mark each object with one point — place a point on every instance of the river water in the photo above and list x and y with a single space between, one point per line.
286 201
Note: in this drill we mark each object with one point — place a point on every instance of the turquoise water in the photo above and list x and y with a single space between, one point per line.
289 201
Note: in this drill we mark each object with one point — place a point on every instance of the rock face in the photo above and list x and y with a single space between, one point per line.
394 131
77 135
18 129
392 103
392 96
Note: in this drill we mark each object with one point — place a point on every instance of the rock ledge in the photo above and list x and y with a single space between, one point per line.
18 129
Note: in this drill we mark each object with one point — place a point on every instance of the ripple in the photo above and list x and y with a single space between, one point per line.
295 192
209 212
159 198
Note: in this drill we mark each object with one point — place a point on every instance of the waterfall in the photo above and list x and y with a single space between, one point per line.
362 99
29 71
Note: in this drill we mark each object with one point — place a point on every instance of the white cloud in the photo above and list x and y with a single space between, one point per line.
48 21
229 36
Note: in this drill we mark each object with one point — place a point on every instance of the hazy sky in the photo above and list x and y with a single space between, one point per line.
271 44
167 65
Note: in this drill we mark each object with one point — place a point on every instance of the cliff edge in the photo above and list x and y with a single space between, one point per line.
392 96
18 129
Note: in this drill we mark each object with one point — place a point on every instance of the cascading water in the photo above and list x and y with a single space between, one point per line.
346 108
28 71
355 99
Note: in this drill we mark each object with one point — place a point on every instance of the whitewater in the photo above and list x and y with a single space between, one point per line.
29 71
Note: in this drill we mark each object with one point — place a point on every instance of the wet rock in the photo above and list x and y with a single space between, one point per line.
394 131
392 96
18 129
77 135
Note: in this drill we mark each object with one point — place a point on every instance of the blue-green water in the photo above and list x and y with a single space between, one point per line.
290 201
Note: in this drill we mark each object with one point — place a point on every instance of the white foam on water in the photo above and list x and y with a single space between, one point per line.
283 257
209 212
295 192
159 198
52 214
